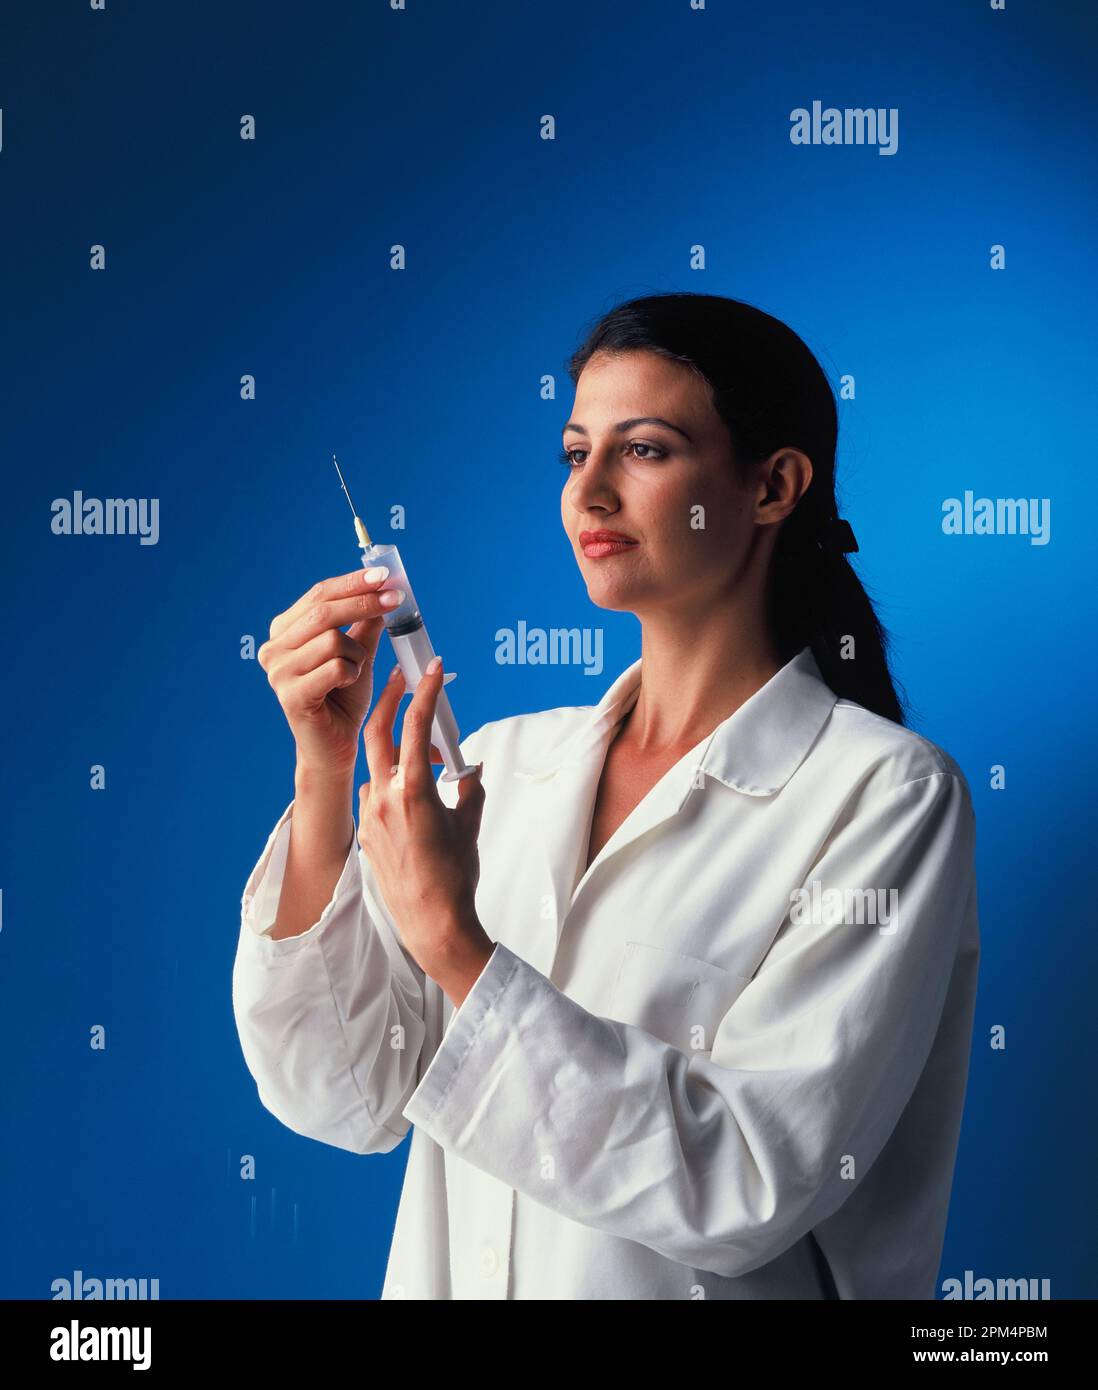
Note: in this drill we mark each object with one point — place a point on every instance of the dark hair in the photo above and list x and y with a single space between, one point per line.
772 393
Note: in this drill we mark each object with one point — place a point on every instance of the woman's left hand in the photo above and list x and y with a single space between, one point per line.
423 854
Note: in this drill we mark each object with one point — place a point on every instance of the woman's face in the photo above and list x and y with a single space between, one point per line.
670 487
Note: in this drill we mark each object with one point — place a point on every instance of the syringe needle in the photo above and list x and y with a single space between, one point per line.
360 527
343 485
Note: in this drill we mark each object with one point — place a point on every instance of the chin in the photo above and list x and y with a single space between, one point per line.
618 598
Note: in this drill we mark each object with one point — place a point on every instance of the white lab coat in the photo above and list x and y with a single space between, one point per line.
686 1072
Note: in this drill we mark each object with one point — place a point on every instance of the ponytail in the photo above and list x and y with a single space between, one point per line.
816 600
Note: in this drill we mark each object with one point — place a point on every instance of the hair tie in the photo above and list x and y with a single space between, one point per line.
831 538
837 537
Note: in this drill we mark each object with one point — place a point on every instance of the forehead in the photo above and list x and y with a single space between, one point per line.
620 386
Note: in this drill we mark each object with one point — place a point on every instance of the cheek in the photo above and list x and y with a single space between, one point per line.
712 526
726 512
687 515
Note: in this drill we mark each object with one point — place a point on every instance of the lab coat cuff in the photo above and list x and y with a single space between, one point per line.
259 901
440 1103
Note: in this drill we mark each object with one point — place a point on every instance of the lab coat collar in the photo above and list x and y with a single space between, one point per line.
754 751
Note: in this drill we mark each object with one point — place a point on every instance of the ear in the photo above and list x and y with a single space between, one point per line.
783 481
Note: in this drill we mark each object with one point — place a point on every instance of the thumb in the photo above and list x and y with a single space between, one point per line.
470 802
367 633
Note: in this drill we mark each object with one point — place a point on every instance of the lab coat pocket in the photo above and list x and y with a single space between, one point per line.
677 998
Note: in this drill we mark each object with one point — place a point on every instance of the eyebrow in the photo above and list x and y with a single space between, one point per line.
628 425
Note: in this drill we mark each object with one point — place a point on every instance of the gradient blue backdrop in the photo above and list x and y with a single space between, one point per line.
225 257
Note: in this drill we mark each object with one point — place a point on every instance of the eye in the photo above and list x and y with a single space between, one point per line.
653 452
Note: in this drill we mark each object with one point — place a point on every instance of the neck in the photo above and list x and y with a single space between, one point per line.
697 668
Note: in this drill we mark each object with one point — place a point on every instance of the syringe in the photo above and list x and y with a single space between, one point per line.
411 644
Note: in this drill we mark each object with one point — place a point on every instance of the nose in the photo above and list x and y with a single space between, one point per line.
594 485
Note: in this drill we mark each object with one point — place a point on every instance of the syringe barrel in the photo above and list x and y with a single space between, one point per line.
413 650
406 617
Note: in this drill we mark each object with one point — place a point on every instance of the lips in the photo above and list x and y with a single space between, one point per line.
593 537
598 545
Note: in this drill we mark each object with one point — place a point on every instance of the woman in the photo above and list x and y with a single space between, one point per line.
695 1021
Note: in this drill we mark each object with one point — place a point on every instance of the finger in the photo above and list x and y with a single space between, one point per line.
309 692
328 613
300 661
470 802
377 734
367 633
415 759
339 586
436 756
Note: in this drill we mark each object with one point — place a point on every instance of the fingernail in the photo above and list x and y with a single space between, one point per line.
378 572
433 665
395 672
391 597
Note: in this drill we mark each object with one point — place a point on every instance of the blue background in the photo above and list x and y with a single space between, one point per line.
271 257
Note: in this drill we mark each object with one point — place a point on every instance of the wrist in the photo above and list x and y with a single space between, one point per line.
323 818
323 778
458 962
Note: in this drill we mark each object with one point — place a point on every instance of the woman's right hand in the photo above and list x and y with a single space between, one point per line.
324 677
